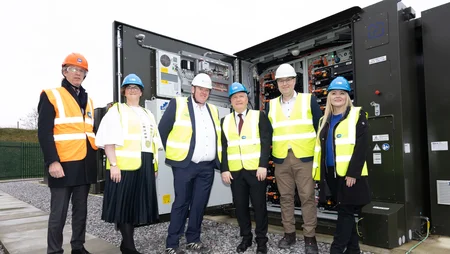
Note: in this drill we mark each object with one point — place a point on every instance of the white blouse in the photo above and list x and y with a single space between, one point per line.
110 131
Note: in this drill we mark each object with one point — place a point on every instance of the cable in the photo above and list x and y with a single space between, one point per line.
428 234
357 228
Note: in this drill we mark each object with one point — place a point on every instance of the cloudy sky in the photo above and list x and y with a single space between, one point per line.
36 35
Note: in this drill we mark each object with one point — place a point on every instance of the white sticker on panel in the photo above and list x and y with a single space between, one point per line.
439 146
381 137
377 158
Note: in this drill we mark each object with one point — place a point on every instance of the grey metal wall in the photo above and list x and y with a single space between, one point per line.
385 62
141 61
436 51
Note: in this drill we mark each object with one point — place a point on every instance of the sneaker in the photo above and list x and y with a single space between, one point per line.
198 247
173 251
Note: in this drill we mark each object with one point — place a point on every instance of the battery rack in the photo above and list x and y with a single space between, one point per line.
322 69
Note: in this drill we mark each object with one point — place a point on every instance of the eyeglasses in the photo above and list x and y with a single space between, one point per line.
132 88
74 69
284 81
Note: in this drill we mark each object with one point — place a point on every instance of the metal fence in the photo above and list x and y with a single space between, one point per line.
21 160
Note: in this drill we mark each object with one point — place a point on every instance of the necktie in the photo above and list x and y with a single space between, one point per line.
241 122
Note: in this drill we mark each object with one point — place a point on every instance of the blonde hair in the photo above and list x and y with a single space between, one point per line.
329 110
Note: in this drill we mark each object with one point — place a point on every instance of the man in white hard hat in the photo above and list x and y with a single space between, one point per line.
191 135
294 118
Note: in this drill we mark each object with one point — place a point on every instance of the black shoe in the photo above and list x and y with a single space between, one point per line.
311 245
198 247
174 251
242 247
287 241
128 251
261 249
80 251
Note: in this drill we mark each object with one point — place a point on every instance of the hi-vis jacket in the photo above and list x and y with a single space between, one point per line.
297 131
344 140
71 126
129 155
179 139
244 150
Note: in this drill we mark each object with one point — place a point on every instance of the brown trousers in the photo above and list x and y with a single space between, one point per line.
293 172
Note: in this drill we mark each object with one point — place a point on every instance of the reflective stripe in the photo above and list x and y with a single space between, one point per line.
244 156
132 136
177 144
59 103
317 149
90 134
343 158
183 123
63 137
66 120
244 142
130 154
292 123
294 136
305 106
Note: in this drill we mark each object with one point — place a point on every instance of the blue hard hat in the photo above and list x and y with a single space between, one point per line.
339 83
236 87
132 79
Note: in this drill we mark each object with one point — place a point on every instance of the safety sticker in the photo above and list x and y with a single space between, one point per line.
382 137
385 146
377 148
166 199
377 158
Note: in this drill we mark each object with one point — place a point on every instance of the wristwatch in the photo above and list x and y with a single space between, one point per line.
113 164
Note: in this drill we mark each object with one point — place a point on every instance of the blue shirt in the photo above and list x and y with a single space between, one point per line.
330 153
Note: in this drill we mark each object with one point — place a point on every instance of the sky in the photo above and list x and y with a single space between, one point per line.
37 35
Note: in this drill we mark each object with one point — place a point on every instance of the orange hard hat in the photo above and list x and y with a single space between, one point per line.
76 59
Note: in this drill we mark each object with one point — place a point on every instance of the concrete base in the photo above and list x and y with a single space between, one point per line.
434 244
23 229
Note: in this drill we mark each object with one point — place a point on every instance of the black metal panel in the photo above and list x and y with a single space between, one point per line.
300 34
141 61
383 224
381 162
436 52
386 75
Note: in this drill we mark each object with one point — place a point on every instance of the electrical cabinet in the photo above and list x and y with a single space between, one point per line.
436 41
376 49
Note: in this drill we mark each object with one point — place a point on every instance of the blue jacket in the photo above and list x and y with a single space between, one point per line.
165 127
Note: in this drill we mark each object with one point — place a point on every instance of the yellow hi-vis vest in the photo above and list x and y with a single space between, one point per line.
344 140
297 131
243 150
71 127
179 139
129 155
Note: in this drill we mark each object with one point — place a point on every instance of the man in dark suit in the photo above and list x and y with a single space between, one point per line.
246 140
190 132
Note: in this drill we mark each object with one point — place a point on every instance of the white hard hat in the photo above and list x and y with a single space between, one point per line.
285 71
202 80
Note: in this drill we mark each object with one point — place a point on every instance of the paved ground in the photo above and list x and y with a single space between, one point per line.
220 232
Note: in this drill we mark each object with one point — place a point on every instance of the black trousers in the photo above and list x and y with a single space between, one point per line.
346 239
245 185
59 205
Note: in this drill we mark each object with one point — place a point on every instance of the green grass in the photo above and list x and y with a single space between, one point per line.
18 135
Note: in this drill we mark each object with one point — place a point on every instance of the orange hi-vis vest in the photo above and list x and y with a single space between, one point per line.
71 126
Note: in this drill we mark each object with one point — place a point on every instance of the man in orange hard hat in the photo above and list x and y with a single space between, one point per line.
67 139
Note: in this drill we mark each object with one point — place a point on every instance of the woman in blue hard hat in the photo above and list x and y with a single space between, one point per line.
340 163
246 140
129 135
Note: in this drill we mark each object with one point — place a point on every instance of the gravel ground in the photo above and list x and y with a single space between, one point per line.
1 250
222 237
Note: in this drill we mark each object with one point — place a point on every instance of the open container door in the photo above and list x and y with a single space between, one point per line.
167 67
318 52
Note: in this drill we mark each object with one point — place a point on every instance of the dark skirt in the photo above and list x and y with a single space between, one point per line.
133 200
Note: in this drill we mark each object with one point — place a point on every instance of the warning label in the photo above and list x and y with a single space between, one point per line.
377 148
